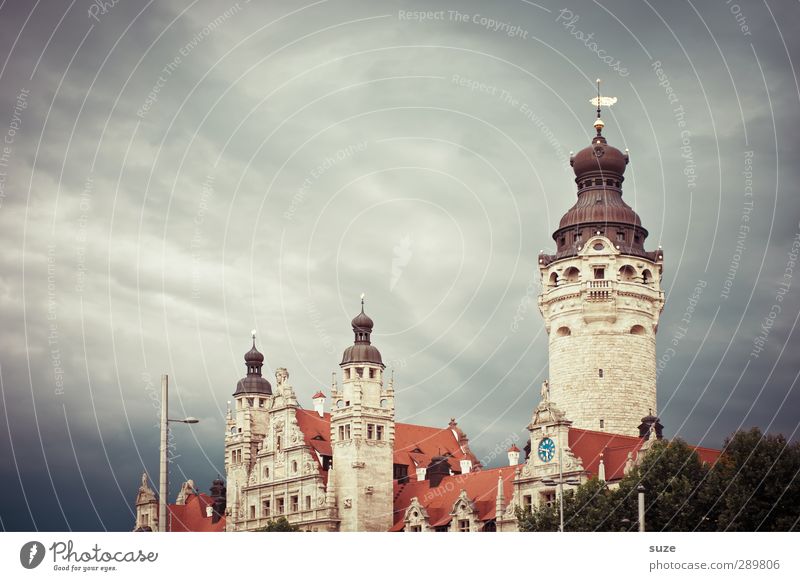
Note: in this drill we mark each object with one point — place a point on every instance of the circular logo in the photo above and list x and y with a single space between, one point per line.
31 554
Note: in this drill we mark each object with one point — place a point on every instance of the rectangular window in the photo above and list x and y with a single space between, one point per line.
252 511
347 374
308 502
600 373
599 273
279 505
233 456
602 424
526 500
249 402
416 529
341 432
265 508
370 431
372 373
621 236
463 525
360 371
347 432
261 402
294 503
379 432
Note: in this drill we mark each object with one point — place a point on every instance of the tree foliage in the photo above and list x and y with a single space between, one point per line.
754 486
281 525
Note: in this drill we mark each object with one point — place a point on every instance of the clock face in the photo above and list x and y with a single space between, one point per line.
547 449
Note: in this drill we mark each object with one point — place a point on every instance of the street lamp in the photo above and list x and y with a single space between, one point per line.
561 480
640 490
163 485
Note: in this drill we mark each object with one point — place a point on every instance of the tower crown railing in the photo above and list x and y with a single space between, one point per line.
600 290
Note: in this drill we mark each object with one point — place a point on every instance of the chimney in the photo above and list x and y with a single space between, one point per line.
421 474
319 403
513 455
438 468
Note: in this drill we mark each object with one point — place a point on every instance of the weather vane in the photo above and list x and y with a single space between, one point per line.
601 101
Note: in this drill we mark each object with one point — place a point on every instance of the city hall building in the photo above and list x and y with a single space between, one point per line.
345 464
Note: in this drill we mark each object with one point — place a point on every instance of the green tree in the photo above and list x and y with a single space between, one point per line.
677 490
585 509
281 525
762 483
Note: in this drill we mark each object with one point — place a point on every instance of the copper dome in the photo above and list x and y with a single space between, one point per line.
362 351
253 383
602 207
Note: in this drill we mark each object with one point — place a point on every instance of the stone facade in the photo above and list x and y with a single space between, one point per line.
601 310
271 471
362 437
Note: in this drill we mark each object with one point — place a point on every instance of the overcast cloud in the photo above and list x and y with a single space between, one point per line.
175 174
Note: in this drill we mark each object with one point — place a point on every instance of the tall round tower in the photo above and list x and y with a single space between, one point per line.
601 299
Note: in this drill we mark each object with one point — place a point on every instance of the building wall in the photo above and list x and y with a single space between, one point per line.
602 336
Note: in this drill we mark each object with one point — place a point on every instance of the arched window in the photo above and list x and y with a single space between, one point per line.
266 471
627 273
294 466
553 279
647 277
638 330
563 332
572 274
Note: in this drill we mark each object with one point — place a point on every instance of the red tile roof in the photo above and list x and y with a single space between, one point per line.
414 445
191 517
589 446
480 486
318 395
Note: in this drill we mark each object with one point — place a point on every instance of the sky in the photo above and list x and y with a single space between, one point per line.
173 175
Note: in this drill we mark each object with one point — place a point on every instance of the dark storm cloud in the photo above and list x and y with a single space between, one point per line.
181 174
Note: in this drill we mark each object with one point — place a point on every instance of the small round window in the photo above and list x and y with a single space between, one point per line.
599 246
384 403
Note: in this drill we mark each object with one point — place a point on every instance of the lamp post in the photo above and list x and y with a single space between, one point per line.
561 480
640 490
163 485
